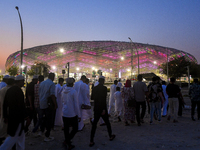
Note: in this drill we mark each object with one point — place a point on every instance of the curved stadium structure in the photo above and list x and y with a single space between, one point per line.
85 56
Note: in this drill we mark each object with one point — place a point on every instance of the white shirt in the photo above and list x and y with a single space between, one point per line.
112 91
119 85
58 91
118 101
81 89
96 83
70 102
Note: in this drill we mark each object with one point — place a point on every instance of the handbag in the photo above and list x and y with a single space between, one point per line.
83 106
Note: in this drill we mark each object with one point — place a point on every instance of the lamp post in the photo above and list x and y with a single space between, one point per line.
132 58
110 73
188 68
167 67
21 39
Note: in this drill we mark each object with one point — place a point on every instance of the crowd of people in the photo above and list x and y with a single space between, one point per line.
68 105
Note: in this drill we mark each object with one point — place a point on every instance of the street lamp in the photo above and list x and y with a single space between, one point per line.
54 67
21 39
132 58
110 73
61 50
22 66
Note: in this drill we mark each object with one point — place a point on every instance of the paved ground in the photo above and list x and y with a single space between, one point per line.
161 135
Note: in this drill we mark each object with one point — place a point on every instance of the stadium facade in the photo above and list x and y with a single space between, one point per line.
112 57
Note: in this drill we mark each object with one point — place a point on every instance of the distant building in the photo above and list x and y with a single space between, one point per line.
86 56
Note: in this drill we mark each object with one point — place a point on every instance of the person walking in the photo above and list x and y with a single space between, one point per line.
155 98
194 94
87 113
118 103
4 82
165 104
30 102
81 90
3 125
140 90
47 91
100 109
119 84
129 112
71 112
112 99
172 91
37 105
58 115
101 122
14 114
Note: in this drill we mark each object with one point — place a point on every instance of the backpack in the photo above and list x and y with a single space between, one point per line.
195 94
153 92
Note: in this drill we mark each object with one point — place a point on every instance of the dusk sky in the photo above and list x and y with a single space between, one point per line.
170 23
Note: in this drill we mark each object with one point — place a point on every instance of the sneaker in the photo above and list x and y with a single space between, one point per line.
48 139
159 120
151 122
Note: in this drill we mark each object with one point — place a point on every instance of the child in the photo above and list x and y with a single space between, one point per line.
118 103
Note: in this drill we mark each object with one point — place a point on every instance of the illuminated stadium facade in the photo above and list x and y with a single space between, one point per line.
86 56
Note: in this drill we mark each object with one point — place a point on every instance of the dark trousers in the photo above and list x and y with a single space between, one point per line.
32 116
40 120
46 122
73 122
97 116
194 104
138 116
53 118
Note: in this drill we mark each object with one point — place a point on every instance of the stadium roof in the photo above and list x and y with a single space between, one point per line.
101 55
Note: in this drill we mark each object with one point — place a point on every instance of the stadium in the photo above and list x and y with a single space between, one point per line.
113 58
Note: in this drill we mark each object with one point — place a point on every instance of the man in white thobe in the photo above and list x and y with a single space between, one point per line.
118 103
80 88
119 84
112 99
58 90
4 82
87 113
